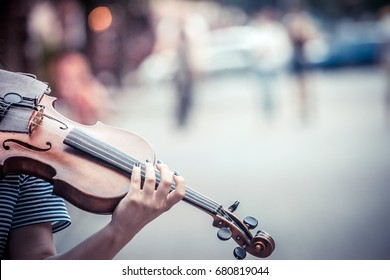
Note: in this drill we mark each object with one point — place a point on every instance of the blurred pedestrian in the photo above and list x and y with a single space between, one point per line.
81 96
302 29
272 53
191 30
183 79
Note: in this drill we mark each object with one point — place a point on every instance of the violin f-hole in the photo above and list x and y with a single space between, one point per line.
26 145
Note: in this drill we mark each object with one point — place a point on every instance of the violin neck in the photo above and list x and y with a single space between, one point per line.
87 144
200 201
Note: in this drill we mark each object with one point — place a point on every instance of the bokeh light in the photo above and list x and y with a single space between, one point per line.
100 19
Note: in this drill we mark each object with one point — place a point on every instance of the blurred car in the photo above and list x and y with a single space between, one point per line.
230 49
350 44
227 49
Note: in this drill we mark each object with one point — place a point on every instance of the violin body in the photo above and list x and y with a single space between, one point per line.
81 179
90 166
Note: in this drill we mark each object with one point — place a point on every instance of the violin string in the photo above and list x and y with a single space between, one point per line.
119 159
122 159
77 137
191 195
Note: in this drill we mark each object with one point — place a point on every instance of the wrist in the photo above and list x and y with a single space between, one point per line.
119 234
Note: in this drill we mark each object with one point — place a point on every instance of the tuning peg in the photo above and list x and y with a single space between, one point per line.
250 222
234 206
239 253
224 234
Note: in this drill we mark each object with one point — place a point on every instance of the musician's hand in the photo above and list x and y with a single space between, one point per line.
141 206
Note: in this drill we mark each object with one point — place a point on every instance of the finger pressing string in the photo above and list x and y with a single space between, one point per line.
135 183
150 178
179 192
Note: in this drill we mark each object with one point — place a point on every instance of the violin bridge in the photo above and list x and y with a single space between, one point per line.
36 119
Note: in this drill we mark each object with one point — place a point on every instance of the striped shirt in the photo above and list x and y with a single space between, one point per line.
27 200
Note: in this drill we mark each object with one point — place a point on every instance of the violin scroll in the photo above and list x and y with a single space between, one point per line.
260 245
263 244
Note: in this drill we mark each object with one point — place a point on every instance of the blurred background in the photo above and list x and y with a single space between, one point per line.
282 105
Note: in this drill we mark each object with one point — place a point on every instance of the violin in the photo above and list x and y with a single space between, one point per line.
90 166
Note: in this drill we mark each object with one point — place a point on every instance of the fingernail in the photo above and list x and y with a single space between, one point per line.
177 173
148 160
159 161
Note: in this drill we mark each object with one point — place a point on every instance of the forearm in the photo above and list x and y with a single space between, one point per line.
104 244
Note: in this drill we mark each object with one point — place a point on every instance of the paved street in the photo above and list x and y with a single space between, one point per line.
317 181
